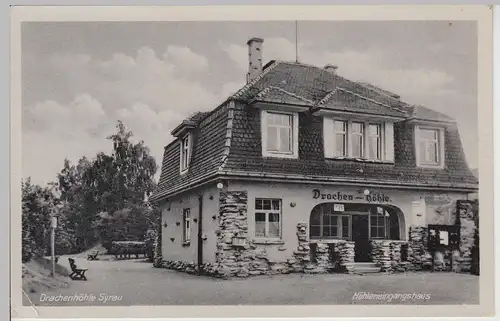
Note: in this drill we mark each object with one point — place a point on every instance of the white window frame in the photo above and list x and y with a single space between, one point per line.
185 158
344 132
362 135
186 225
440 147
294 136
365 140
380 150
266 213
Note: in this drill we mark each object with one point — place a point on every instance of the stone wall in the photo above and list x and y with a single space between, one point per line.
388 255
418 256
468 220
233 256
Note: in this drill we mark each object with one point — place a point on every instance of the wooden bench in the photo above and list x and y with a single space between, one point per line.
93 256
76 273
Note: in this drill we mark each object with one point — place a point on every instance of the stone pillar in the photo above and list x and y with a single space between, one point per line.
301 255
381 254
467 211
233 258
418 255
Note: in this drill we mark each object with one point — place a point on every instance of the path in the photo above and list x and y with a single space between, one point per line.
138 283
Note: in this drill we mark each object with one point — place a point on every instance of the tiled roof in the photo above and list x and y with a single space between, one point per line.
346 100
207 154
245 156
421 112
229 140
277 95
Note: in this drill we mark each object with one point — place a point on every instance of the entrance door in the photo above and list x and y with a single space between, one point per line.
362 248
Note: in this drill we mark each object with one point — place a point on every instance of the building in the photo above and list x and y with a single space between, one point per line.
303 170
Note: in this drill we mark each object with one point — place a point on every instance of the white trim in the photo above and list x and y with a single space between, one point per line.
388 141
189 152
275 106
358 116
186 225
329 142
266 213
295 135
440 142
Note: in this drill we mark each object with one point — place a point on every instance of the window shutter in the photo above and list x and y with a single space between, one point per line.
389 141
328 137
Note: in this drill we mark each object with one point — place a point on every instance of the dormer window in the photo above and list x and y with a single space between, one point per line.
279 134
185 153
429 146
361 140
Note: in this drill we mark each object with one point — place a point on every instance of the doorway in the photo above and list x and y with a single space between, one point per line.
360 236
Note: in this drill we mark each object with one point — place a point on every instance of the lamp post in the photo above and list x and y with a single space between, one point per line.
53 225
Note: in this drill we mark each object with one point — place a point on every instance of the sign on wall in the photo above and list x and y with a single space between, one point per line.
342 196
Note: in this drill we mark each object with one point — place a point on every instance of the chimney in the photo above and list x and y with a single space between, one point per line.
331 68
254 58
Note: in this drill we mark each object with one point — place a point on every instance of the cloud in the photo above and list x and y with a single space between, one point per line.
184 57
151 94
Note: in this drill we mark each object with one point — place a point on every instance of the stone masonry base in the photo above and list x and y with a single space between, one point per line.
238 256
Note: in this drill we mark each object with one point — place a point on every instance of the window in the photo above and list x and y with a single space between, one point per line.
267 217
357 138
360 140
186 224
185 152
329 226
340 138
378 224
279 134
429 144
375 141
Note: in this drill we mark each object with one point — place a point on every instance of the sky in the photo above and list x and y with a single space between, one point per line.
80 78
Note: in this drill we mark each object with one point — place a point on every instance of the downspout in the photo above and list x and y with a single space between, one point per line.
200 233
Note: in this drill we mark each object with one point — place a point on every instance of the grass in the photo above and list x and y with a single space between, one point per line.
36 276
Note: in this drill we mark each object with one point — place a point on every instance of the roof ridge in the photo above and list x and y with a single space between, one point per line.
269 88
363 97
255 80
228 137
372 100
327 97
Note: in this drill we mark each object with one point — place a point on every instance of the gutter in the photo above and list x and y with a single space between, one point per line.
343 181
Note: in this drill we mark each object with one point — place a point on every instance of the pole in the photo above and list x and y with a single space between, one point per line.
296 41
53 225
52 250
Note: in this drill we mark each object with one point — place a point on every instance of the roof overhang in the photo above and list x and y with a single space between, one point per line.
323 111
266 105
434 122
182 128
345 181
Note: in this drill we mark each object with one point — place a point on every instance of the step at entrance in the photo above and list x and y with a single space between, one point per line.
365 267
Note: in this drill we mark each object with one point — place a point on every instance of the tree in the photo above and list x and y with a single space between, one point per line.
38 204
119 184
103 199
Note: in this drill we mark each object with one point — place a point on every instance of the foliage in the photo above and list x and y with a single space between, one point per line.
37 206
475 267
99 200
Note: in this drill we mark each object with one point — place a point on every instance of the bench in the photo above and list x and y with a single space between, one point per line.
76 273
93 256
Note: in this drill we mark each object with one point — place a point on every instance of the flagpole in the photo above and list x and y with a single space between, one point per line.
296 41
